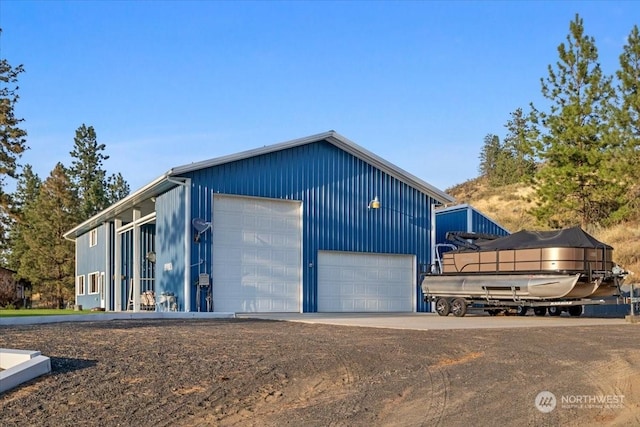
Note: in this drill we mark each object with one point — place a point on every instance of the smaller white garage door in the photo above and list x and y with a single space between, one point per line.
365 282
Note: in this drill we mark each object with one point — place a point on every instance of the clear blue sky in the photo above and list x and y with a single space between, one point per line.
168 83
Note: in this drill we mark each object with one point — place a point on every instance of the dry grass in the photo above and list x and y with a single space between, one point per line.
510 206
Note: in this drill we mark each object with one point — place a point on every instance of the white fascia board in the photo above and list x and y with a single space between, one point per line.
463 206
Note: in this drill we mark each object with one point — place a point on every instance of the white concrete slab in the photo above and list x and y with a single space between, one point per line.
123 315
432 321
21 366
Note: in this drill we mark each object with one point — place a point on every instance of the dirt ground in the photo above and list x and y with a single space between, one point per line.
270 373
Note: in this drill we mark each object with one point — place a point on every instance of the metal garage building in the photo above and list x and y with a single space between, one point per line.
466 218
314 224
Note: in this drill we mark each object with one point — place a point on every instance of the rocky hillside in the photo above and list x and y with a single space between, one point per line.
510 205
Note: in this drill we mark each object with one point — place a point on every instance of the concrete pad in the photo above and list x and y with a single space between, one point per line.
432 321
632 318
21 366
121 315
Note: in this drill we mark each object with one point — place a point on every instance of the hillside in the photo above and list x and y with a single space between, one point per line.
510 205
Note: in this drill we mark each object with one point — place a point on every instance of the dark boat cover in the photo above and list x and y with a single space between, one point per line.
574 237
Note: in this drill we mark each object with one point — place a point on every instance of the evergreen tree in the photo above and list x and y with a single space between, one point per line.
12 138
575 184
518 143
87 172
628 120
48 261
117 188
489 155
27 190
629 87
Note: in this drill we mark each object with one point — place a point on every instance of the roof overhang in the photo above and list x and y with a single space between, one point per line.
143 199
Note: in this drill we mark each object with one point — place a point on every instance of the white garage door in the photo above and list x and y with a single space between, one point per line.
357 282
256 255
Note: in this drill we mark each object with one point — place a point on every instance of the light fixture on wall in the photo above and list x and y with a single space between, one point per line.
374 204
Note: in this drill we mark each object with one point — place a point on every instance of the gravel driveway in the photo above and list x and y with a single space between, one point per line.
271 373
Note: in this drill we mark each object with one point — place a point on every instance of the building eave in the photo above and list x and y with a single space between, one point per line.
133 200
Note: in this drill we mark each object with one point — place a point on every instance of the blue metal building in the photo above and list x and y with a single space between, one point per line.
465 218
314 224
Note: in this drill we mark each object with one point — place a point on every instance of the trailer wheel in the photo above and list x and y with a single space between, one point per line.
554 311
539 311
521 310
459 307
443 308
575 310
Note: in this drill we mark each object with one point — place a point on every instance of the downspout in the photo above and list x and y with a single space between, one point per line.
187 241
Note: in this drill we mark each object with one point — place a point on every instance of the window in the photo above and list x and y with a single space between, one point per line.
80 285
93 237
93 283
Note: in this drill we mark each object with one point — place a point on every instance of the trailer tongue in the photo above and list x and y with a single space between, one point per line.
547 270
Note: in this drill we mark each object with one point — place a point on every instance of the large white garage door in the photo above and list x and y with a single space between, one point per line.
357 282
256 254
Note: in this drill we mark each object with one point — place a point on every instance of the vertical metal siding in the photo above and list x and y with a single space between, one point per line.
454 220
126 268
335 188
482 224
169 242
90 260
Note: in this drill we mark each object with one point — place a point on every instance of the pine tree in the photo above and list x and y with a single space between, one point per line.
49 261
575 183
87 172
628 120
519 144
12 139
489 155
27 190
117 188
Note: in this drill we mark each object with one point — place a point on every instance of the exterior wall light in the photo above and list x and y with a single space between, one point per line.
374 204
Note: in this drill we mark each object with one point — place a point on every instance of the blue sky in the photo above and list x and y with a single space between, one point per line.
169 83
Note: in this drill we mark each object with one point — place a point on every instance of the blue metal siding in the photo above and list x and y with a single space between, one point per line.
455 220
335 188
458 220
126 267
482 224
90 260
169 243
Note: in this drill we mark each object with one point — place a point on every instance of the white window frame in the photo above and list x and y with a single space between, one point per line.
80 285
93 237
93 280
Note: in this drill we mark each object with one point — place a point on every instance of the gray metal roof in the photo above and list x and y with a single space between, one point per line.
339 141
141 198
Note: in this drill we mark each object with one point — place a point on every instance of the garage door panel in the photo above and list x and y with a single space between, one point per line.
256 255
364 282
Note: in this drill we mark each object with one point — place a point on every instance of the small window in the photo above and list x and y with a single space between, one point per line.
93 283
93 237
80 285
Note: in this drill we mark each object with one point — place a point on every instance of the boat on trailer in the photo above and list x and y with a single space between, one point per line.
537 269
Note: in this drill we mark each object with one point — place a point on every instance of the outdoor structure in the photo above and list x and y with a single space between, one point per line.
16 292
465 218
318 224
